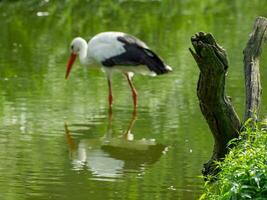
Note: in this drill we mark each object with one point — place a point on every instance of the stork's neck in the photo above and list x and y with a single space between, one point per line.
84 58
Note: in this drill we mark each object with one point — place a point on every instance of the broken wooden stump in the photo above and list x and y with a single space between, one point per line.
215 106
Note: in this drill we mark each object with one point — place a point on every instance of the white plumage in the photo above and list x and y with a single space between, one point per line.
105 45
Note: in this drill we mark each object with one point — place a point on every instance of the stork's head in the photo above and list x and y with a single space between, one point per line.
75 47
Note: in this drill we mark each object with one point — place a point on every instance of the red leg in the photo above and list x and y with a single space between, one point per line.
110 97
134 92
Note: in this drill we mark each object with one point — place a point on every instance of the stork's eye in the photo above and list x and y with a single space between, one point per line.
72 47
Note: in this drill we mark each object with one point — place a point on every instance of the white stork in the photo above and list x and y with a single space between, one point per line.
117 51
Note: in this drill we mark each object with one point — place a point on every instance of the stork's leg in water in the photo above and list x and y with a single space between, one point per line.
134 92
110 97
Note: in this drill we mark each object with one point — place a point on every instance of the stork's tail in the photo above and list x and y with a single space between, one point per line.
168 68
154 63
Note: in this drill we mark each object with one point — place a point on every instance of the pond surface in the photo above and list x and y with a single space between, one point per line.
57 140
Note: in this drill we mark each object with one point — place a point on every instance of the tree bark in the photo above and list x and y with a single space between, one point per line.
214 104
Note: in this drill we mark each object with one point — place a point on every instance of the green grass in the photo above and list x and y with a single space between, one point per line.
243 173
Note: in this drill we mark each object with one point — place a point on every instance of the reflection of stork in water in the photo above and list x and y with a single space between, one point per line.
112 156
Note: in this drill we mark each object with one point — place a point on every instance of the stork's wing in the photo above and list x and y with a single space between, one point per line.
136 53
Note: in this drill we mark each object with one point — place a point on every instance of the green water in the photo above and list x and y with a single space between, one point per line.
56 138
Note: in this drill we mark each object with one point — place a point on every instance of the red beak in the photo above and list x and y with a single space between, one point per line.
70 63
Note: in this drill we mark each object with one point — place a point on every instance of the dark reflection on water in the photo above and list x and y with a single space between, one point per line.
109 157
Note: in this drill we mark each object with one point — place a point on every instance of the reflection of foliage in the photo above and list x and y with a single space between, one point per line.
24 32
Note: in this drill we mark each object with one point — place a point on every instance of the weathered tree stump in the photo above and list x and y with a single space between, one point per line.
214 104
252 54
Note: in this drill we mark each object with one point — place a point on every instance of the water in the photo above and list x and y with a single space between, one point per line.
57 139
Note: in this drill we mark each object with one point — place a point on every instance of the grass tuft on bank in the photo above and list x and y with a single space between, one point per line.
243 173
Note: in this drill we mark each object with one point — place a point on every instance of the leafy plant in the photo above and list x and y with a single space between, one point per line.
243 173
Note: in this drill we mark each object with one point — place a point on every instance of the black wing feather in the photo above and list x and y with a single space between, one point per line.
137 53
